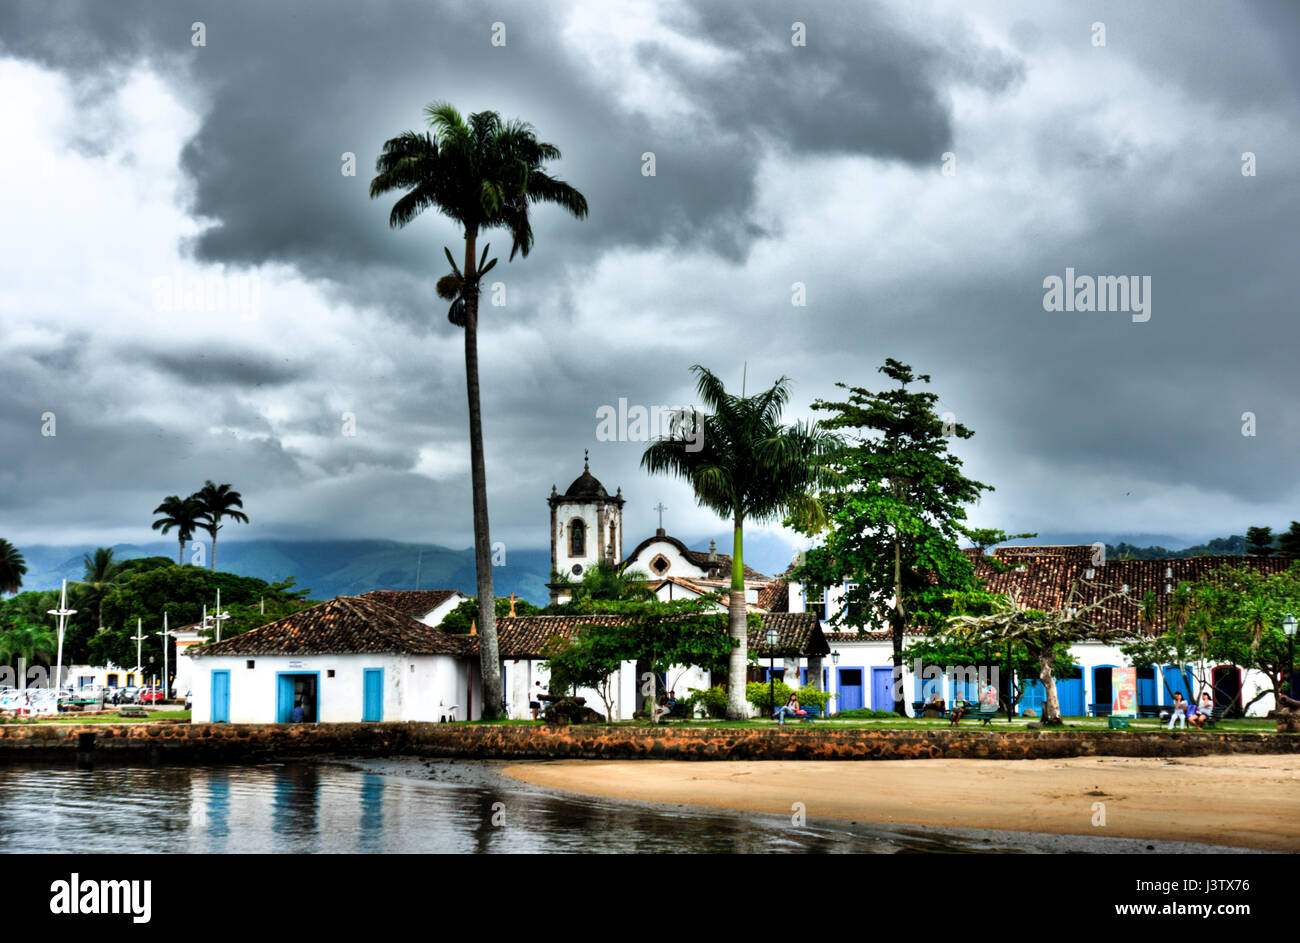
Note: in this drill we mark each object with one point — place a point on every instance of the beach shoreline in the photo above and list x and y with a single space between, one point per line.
1230 801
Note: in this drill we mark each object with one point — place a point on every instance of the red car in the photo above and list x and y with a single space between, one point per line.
152 696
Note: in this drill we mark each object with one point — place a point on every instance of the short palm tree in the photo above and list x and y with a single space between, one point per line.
216 502
182 514
745 465
27 642
606 581
12 568
484 174
97 581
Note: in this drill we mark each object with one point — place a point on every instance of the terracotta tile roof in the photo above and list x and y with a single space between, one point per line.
799 633
416 603
703 586
1044 575
525 636
342 626
775 596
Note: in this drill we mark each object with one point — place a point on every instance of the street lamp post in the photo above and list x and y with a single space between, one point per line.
219 617
1289 627
771 667
139 638
63 612
164 633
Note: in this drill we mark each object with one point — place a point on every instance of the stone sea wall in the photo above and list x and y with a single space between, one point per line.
256 742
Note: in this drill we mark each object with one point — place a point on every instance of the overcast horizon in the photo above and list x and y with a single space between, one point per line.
921 172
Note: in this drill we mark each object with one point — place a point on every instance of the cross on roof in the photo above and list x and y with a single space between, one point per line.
660 508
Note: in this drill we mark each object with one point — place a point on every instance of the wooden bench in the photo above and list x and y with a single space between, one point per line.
680 711
1216 715
1099 710
981 713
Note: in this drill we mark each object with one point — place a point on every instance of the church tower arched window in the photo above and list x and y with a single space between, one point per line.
577 539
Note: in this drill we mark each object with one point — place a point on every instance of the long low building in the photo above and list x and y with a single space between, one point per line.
382 656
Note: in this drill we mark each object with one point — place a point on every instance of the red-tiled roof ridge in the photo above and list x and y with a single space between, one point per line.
411 602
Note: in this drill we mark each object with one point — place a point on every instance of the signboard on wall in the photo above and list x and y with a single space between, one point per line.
1123 687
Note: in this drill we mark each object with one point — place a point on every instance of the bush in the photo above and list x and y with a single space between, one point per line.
713 701
866 713
759 694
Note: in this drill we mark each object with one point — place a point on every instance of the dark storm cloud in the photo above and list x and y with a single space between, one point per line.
285 89
206 366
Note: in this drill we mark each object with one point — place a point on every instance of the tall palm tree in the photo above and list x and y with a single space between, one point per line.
12 568
744 464
216 502
181 513
100 575
484 174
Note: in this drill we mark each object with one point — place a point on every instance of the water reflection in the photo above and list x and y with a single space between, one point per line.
403 805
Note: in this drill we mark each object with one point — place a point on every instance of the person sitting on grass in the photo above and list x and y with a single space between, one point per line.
791 708
1179 711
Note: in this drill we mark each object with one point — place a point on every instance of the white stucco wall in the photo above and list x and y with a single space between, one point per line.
678 564
422 687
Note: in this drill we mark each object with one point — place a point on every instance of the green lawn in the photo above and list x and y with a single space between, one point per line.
114 718
910 723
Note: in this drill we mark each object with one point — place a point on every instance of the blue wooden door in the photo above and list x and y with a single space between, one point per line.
1032 698
374 694
850 689
1147 688
1069 695
1175 683
220 697
283 699
882 689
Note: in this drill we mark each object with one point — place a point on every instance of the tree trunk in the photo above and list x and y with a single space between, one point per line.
1051 706
180 554
738 664
212 564
899 618
22 673
489 662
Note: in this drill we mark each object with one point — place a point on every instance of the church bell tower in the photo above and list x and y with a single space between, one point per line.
586 526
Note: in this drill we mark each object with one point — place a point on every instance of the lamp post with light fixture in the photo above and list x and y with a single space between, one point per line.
771 666
1289 627
62 613
835 660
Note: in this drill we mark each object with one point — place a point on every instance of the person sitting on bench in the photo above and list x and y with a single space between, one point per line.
1204 711
663 707
1179 711
959 710
791 708
934 703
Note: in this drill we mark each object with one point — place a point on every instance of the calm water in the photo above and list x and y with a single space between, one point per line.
406 805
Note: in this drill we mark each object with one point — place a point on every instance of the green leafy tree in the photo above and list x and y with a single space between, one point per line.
12 568
1259 541
661 634
1288 544
483 174
897 520
603 580
183 514
744 464
217 502
1045 634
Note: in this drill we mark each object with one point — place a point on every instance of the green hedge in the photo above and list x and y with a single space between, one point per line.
759 693
866 713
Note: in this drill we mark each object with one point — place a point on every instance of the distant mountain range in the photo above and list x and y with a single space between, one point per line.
346 567
328 567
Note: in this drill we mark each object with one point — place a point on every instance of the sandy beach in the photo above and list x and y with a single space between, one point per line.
1239 801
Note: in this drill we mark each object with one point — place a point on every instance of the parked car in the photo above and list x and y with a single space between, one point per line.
131 695
189 700
151 696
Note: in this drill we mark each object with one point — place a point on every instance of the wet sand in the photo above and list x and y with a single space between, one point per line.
1237 801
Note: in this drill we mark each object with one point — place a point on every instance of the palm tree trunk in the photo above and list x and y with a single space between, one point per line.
900 627
489 662
212 564
180 554
737 704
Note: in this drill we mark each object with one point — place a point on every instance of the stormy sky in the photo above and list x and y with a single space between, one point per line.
134 161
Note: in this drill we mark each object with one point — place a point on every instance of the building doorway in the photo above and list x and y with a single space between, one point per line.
1227 689
298 690
849 684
